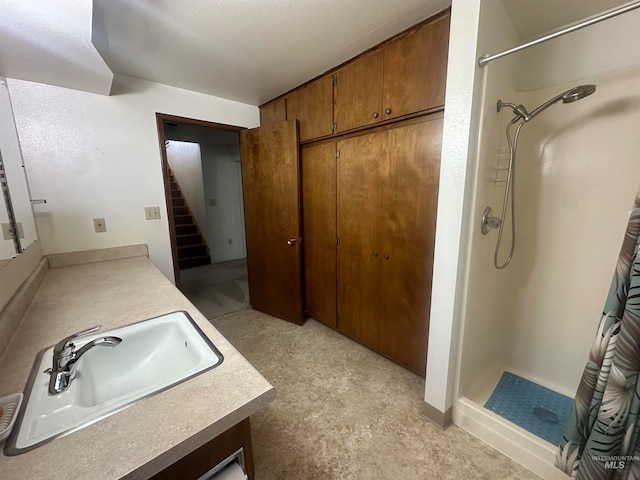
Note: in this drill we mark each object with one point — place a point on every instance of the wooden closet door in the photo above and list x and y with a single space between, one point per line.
271 189
415 69
357 94
359 248
408 220
319 231
312 106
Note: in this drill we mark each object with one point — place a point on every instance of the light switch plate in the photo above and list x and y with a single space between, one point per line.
152 213
99 225
7 234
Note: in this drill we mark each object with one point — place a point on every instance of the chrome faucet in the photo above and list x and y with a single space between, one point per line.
65 358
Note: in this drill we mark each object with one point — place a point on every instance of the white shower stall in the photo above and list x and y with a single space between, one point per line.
576 175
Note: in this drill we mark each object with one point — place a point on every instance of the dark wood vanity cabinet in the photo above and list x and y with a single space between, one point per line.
200 461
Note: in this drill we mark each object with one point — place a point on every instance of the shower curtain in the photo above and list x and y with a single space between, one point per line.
601 435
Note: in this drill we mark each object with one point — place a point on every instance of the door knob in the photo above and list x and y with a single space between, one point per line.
386 256
375 114
387 111
375 254
291 241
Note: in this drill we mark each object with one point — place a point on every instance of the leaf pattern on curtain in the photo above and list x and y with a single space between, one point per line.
601 435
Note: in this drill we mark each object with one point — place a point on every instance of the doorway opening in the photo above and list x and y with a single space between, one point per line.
203 190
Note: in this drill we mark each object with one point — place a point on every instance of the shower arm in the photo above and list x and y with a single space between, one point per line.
521 112
518 110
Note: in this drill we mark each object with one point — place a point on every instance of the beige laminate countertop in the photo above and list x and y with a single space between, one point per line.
153 433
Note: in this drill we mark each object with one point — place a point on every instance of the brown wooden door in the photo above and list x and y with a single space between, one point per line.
359 202
312 106
408 220
415 69
357 94
271 186
319 227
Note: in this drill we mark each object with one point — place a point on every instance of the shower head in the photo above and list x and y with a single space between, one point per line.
571 95
576 93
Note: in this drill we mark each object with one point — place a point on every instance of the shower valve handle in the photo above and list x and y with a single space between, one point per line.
489 221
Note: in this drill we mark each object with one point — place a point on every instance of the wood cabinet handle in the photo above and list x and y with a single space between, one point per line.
375 114
375 254
291 242
387 111
386 256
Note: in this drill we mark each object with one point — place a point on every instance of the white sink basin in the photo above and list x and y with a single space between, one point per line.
154 355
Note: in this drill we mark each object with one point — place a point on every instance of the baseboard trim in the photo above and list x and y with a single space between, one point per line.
439 418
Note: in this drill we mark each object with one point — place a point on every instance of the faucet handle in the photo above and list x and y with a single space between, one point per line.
65 343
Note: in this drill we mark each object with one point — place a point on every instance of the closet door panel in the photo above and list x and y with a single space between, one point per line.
319 231
273 112
415 69
358 251
408 221
357 95
312 106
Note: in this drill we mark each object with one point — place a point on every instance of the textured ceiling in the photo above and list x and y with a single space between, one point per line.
244 50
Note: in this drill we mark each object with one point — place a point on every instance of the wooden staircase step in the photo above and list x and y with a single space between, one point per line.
192 250
185 229
182 219
180 210
189 239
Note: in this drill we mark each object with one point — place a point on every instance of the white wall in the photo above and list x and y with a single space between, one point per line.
596 50
449 258
95 156
186 163
223 184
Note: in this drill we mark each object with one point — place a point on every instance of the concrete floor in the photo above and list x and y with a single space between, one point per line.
344 412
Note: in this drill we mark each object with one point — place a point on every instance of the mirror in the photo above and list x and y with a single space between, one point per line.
7 249
16 183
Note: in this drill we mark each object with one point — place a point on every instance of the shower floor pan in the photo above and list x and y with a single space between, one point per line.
533 407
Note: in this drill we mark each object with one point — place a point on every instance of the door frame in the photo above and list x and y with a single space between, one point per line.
161 119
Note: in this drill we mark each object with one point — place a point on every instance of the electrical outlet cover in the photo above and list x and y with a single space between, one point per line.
99 225
152 213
